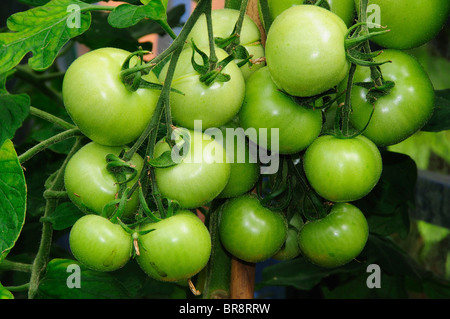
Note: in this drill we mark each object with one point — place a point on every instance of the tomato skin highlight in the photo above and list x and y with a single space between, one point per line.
342 169
99 244
100 104
249 231
336 239
177 249
90 186
305 50
402 112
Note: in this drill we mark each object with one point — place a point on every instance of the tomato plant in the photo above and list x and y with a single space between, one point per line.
234 149
305 50
100 244
335 239
177 248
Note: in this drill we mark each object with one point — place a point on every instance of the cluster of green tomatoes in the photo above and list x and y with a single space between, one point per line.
305 58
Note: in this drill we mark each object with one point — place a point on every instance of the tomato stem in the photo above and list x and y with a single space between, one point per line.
265 13
313 199
49 142
51 118
41 259
212 46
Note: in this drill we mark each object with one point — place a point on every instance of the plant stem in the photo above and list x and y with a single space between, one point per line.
48 142
26 74
346 109
20 288
15 266
311 196
166 27
51 118
265 11
178 43
41 259
240 21
375 71
212 46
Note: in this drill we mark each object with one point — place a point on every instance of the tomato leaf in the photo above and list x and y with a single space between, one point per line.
13 111
440 120
13 196
60 281
64 216
43 31
127 15
162 161
387 205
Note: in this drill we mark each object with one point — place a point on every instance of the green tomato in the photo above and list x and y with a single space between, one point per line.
305 50
89 184
402 112
213 105
411 23
342 169
249 231
199 176
99 244
345 9
336 239
177 248
100 104
291 248
267 109
223 21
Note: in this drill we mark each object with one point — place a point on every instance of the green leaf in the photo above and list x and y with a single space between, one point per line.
102 34
93 284
64 216
300 273
13 111
43 31
233 4
440 120
127 15
13 195
164 160
5 293
387 205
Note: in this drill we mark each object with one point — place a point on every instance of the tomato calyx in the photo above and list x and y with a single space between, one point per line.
131 76
210 70
319 101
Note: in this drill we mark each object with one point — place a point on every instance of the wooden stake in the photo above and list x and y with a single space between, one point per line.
242 284
252 12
